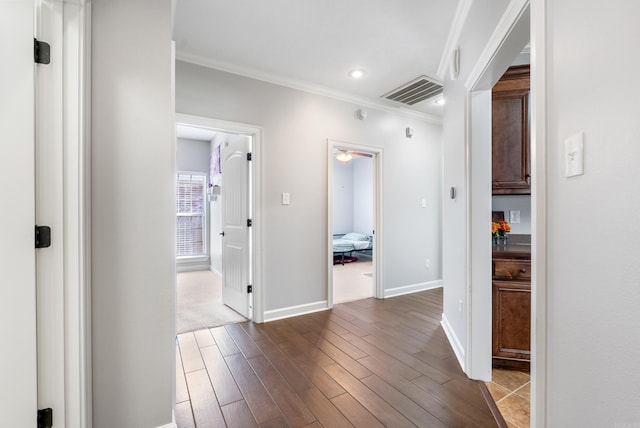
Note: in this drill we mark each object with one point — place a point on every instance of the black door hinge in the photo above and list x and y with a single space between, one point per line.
41 52
249 288
249 157
45 418
43 236
249 222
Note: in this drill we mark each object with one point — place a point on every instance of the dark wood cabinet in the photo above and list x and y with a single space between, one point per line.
510 133
511 313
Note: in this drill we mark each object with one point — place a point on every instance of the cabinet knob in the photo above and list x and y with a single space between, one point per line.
523 270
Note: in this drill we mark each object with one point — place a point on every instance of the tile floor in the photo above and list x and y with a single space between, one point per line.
510 390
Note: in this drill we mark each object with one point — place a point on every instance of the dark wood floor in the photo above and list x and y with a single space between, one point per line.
370 363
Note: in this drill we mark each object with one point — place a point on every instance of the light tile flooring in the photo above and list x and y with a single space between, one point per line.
510 390
353 281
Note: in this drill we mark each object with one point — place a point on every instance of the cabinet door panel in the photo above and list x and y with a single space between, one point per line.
510 133
512 319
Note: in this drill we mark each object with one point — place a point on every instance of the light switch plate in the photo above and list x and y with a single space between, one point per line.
286 200
424 203
574 155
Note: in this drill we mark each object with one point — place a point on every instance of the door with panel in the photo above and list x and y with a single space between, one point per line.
236 212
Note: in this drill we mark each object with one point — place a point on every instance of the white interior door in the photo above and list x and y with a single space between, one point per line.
18 366
235 213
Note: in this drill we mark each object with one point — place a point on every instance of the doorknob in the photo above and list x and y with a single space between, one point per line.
221 233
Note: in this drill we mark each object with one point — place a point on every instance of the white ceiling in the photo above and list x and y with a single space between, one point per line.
315 43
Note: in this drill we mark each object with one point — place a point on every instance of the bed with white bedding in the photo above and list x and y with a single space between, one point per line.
351 242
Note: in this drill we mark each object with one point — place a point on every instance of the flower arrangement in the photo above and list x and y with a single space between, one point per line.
499 229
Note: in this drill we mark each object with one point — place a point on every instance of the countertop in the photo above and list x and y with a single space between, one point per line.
518 247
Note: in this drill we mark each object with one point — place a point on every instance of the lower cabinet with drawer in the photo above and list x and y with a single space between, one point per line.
511 313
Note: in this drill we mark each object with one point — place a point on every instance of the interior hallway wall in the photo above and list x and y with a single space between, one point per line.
593 290
296 128
479 25
133 220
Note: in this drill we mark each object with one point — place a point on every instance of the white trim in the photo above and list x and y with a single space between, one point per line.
256 133
171 425
294 311
511 17
305 87
215 271
191 268
65 114
413 288
459 18
539 213
455 342
378 219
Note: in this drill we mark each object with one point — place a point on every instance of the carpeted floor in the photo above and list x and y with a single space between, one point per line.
199 302
353 281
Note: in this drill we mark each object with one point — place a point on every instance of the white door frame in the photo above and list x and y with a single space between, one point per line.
63 182
512 32
256 196
377 153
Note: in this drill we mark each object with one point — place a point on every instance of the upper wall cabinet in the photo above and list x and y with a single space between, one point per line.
510 133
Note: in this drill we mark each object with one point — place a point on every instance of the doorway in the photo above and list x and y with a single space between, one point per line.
216 222
354 223
505 45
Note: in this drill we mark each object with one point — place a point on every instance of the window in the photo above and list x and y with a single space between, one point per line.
191 217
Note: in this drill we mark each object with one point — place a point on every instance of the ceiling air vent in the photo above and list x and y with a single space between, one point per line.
415 91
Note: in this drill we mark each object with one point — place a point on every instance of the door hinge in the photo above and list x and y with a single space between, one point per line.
43 236
249 222
249 288
45 418
249 157
41 52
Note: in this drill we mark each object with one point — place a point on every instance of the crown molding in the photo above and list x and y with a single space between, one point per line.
459 18
305 87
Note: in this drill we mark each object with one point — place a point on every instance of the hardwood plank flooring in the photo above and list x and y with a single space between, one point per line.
369 363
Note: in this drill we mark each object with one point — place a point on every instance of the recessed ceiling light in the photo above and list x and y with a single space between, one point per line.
356 73
439 101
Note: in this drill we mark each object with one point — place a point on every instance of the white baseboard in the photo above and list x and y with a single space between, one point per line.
458 349
294 311
414 288
191 268
215 272
171 425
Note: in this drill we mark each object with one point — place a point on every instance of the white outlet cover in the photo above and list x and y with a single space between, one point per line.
574 155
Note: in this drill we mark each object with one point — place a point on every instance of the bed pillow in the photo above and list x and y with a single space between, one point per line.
353 236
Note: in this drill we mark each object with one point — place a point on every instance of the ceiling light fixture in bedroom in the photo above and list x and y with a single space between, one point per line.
344 156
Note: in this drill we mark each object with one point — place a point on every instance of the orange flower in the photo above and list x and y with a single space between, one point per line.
500 228
505 226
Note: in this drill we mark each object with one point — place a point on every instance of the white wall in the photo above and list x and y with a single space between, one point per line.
342 197
593 281
363 195
480 23
505 203
193 155
353 196
132 222
296 127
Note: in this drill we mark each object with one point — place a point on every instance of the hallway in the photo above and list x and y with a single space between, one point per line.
368 363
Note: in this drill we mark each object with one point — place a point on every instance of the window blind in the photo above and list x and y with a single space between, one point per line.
190 214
